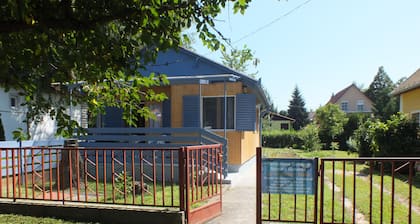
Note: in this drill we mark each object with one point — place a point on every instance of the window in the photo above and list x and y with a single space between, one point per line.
360 105
213 112
14 101
345 106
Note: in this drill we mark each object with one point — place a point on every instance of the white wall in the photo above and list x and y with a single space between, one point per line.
13 117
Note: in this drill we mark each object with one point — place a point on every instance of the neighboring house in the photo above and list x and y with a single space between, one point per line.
278 122
352 100
13 116
199 91
409 94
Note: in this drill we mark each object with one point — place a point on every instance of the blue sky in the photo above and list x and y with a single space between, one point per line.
324 45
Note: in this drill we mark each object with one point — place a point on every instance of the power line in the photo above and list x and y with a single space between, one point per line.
272 22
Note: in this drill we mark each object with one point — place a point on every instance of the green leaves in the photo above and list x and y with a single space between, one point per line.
95 49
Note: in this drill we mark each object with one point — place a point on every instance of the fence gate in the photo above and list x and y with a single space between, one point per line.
287 189
369 190
203 182
351 190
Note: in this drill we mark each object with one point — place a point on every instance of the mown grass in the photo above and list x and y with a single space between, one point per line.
363 195
165 196
20 219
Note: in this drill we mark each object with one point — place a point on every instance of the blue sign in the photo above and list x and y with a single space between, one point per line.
288 176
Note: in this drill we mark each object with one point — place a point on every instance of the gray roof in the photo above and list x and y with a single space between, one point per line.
413 82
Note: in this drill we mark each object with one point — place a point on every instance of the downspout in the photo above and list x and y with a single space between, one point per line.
225 106
263 112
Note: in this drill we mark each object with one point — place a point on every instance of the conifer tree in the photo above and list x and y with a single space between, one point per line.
297 110
379 92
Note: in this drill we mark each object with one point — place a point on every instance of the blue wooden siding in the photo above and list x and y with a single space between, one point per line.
245 112
166 114
113 118
191 111
182 63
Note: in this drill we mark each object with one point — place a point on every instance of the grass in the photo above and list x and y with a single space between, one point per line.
363 195
165 196
20 219
362 187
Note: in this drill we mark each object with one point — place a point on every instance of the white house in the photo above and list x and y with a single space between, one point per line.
13 116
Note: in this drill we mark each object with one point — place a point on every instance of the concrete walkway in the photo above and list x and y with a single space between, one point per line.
239 198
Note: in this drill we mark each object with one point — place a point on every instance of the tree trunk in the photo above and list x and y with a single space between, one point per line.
71 165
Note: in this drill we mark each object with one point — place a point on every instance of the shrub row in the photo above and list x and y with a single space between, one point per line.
282 139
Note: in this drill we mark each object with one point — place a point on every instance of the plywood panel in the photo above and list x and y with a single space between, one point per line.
234 147
250 141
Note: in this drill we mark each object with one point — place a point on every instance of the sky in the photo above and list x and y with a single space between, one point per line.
323 46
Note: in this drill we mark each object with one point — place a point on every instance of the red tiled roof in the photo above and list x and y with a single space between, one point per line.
334 98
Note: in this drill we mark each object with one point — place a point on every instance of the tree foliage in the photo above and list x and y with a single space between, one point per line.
379 92
331 121
310 138
354 122
239 60
297 110
95 50
397 136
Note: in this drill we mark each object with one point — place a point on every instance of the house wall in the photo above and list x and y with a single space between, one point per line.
352 95
14 117
241 144
410 101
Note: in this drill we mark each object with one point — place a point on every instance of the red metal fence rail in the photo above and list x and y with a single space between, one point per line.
181 178
203 182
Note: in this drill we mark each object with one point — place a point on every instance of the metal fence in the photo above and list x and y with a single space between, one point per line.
350 190
369 190
186 179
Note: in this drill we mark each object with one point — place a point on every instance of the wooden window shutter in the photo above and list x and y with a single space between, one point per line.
245 112
191 111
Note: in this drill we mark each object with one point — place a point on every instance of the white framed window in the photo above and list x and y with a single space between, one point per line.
360 105
214 114
344 106
14 101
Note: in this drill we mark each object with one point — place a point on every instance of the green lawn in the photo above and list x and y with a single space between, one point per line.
20 219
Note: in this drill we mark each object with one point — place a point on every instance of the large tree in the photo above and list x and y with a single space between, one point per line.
379 92
239 60
297 110
331 121
93 51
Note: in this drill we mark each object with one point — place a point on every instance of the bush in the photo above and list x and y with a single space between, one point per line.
398 136
310 138
331 121
281 139
354 122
